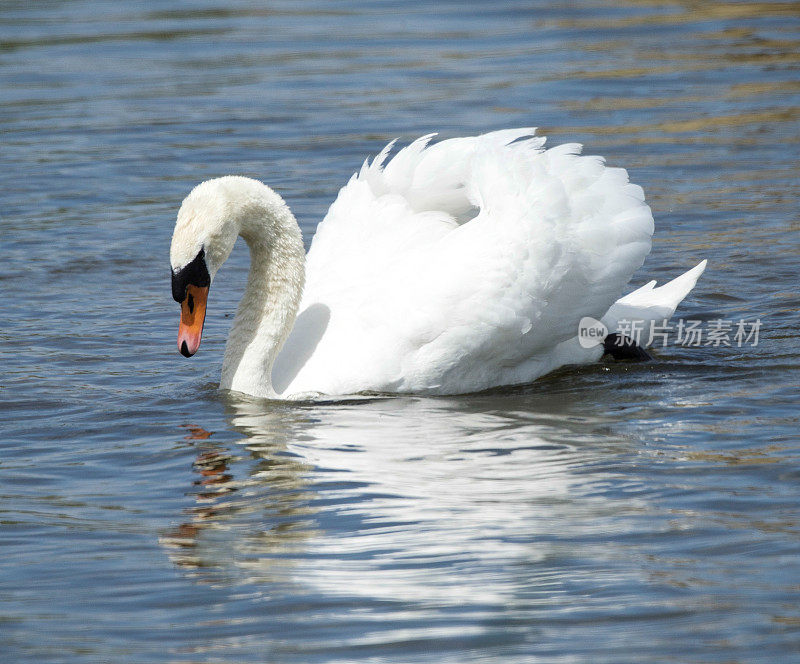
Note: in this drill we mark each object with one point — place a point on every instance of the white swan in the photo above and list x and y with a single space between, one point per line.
454 268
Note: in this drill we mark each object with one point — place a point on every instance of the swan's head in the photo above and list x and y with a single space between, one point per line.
209 221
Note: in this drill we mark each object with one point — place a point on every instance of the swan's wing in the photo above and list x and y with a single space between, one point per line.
461 266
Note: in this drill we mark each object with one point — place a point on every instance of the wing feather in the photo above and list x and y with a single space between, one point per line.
462 265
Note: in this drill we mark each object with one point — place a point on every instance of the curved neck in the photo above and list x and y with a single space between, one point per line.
269 305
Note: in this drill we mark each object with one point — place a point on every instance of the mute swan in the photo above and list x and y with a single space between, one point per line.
454 268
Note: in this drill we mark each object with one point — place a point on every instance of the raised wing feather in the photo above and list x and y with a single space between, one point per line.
462 265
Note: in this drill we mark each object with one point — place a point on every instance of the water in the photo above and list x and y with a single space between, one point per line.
613 513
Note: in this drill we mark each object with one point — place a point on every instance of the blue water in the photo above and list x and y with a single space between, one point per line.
613 513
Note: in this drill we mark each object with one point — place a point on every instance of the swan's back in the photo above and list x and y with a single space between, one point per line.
462 266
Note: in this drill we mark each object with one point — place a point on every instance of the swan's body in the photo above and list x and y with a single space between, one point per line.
455 268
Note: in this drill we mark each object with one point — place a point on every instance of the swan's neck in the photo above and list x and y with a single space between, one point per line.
269 305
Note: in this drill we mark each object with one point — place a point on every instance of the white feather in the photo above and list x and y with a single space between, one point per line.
649 305
420 301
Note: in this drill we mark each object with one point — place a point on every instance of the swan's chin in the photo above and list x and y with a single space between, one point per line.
193 315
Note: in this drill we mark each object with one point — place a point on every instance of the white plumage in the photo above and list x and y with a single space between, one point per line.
452 268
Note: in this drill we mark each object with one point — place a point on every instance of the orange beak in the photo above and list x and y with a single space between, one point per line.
193 315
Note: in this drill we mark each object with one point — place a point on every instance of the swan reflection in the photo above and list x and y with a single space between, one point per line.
404 499
249 506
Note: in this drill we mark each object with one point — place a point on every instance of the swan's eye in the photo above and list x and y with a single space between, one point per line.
195 274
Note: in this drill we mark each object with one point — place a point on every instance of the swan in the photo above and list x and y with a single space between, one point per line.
450 268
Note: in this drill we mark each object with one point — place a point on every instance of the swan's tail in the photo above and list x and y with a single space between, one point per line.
638 311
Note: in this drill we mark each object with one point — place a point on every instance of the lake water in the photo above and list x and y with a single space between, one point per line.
612 513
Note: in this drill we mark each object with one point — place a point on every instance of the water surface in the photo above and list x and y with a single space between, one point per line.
613 513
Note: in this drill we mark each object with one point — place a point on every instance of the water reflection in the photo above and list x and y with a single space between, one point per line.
417 500
250 506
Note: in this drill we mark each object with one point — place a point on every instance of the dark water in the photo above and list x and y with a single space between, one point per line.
639 513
